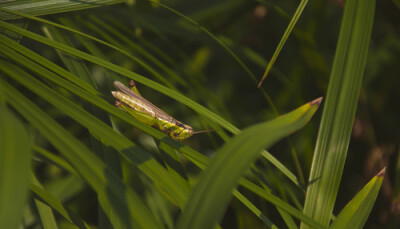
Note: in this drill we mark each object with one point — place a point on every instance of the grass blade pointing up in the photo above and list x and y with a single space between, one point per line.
356 213
15 157
341 103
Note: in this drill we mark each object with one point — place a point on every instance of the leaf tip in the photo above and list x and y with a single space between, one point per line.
261 81
316 102
381 173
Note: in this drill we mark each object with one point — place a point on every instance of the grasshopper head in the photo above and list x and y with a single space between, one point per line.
184 132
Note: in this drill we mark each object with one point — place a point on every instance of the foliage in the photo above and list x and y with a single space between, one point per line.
94 165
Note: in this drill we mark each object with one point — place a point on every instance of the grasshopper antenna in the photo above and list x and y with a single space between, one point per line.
203 131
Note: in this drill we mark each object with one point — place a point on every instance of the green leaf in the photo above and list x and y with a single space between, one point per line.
15 168
356 212
211 195
339 111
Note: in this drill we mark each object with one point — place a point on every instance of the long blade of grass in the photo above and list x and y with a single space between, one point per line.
211 195
338 115
15 167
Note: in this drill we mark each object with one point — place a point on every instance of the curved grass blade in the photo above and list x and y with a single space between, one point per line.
15 167
339 111
211 195
357 211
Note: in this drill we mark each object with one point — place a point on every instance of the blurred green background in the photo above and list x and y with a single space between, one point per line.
213 78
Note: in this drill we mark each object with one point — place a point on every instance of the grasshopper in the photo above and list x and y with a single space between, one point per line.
130 101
